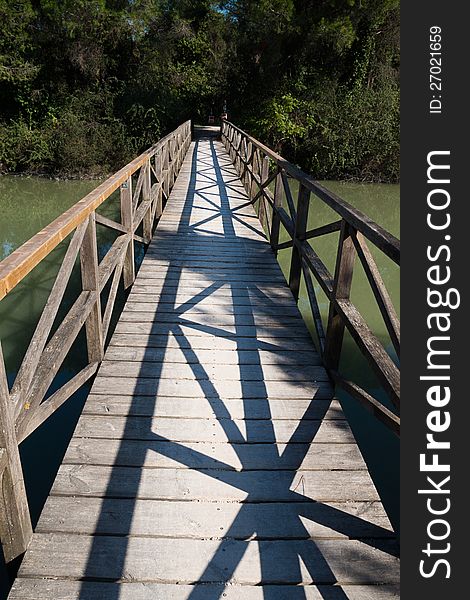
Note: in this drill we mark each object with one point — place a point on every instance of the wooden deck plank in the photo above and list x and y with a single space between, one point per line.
212 357
205 341
208 310
238 321
206 329
206 561
250 293
201 520
221 429
212 389
34 589
170 370
214 484
196 455
256 408
210 449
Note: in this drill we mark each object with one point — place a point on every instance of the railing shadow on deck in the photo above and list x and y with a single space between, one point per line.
221 568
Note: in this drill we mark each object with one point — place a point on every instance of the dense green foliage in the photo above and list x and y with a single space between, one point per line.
86 84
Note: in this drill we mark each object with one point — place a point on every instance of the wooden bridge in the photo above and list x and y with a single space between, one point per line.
212 459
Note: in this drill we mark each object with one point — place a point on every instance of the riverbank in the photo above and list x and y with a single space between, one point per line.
54 177
92 176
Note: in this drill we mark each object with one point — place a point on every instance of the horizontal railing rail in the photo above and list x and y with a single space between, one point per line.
144 185
260 167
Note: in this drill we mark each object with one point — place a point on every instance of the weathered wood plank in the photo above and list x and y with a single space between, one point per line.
90 283
15 521
186 561
187 276
200 455
44 589
283 357
237 287
213 484
198 339
198 371
127 218
202 329
254 408
226 250
199 520
218 319
248 293
220 429
205 261
202 266
217 389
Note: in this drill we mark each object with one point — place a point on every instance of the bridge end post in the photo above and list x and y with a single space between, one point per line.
15 521
90 282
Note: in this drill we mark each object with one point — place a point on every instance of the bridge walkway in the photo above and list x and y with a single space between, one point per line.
211 459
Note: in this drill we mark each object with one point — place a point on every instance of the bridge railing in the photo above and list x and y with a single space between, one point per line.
260 168
144 185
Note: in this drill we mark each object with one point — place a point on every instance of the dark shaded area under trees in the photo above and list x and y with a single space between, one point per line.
87 84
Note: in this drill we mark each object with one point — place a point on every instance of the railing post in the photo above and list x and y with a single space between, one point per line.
299 234
264 175
243 159
178 153
146 185
171 164
255 172
276 221
15 521
237 150
159 172
249 163
231 145
165 169
228 141
341 290
90 283
127 219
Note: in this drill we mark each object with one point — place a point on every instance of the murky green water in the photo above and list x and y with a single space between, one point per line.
28 204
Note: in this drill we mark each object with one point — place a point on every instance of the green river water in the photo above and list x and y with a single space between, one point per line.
29 203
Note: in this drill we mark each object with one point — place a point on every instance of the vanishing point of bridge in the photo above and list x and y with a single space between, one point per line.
211 460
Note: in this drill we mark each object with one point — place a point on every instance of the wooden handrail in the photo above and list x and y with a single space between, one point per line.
356 228
380 237
19 263
26 406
